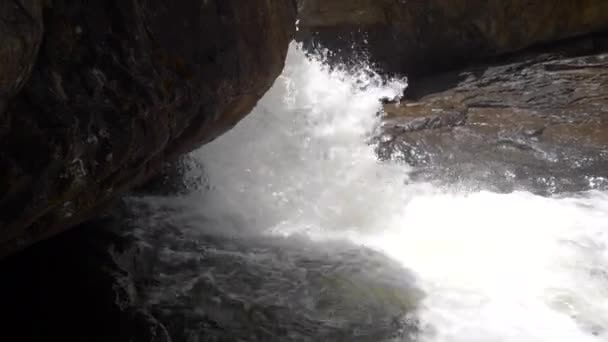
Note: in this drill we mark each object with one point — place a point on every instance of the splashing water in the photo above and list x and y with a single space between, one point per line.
495 267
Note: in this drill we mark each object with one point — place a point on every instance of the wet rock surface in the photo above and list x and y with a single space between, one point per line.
422 37
538 123
116 89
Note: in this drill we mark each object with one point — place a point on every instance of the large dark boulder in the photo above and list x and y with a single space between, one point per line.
419 37
117 88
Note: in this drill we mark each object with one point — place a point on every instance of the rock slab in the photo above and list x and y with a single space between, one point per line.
537 123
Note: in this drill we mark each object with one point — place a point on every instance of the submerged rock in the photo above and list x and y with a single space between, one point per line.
79 286
211 283
422 37
539 122
118 88
158 270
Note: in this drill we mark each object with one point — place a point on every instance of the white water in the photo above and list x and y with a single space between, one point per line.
496 267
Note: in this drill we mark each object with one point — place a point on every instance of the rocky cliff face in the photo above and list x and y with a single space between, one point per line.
419 37
96 95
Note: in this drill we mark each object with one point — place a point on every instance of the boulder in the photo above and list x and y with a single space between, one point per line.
115 89
420 37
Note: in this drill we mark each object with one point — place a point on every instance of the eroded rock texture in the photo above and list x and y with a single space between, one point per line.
117 88
417 37
537 123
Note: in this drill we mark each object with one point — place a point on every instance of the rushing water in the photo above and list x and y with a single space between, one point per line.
298 175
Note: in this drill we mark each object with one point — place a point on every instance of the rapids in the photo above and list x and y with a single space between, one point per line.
296 189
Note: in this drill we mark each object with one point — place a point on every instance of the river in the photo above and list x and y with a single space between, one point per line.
294 230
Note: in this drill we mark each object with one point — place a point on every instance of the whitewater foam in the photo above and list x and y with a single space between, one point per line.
495 267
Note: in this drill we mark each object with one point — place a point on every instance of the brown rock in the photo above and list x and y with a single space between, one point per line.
118 88
540 124
417 37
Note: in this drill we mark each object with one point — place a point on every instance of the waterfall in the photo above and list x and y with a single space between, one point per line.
493 267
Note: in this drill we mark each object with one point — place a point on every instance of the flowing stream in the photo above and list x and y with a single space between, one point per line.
300 201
